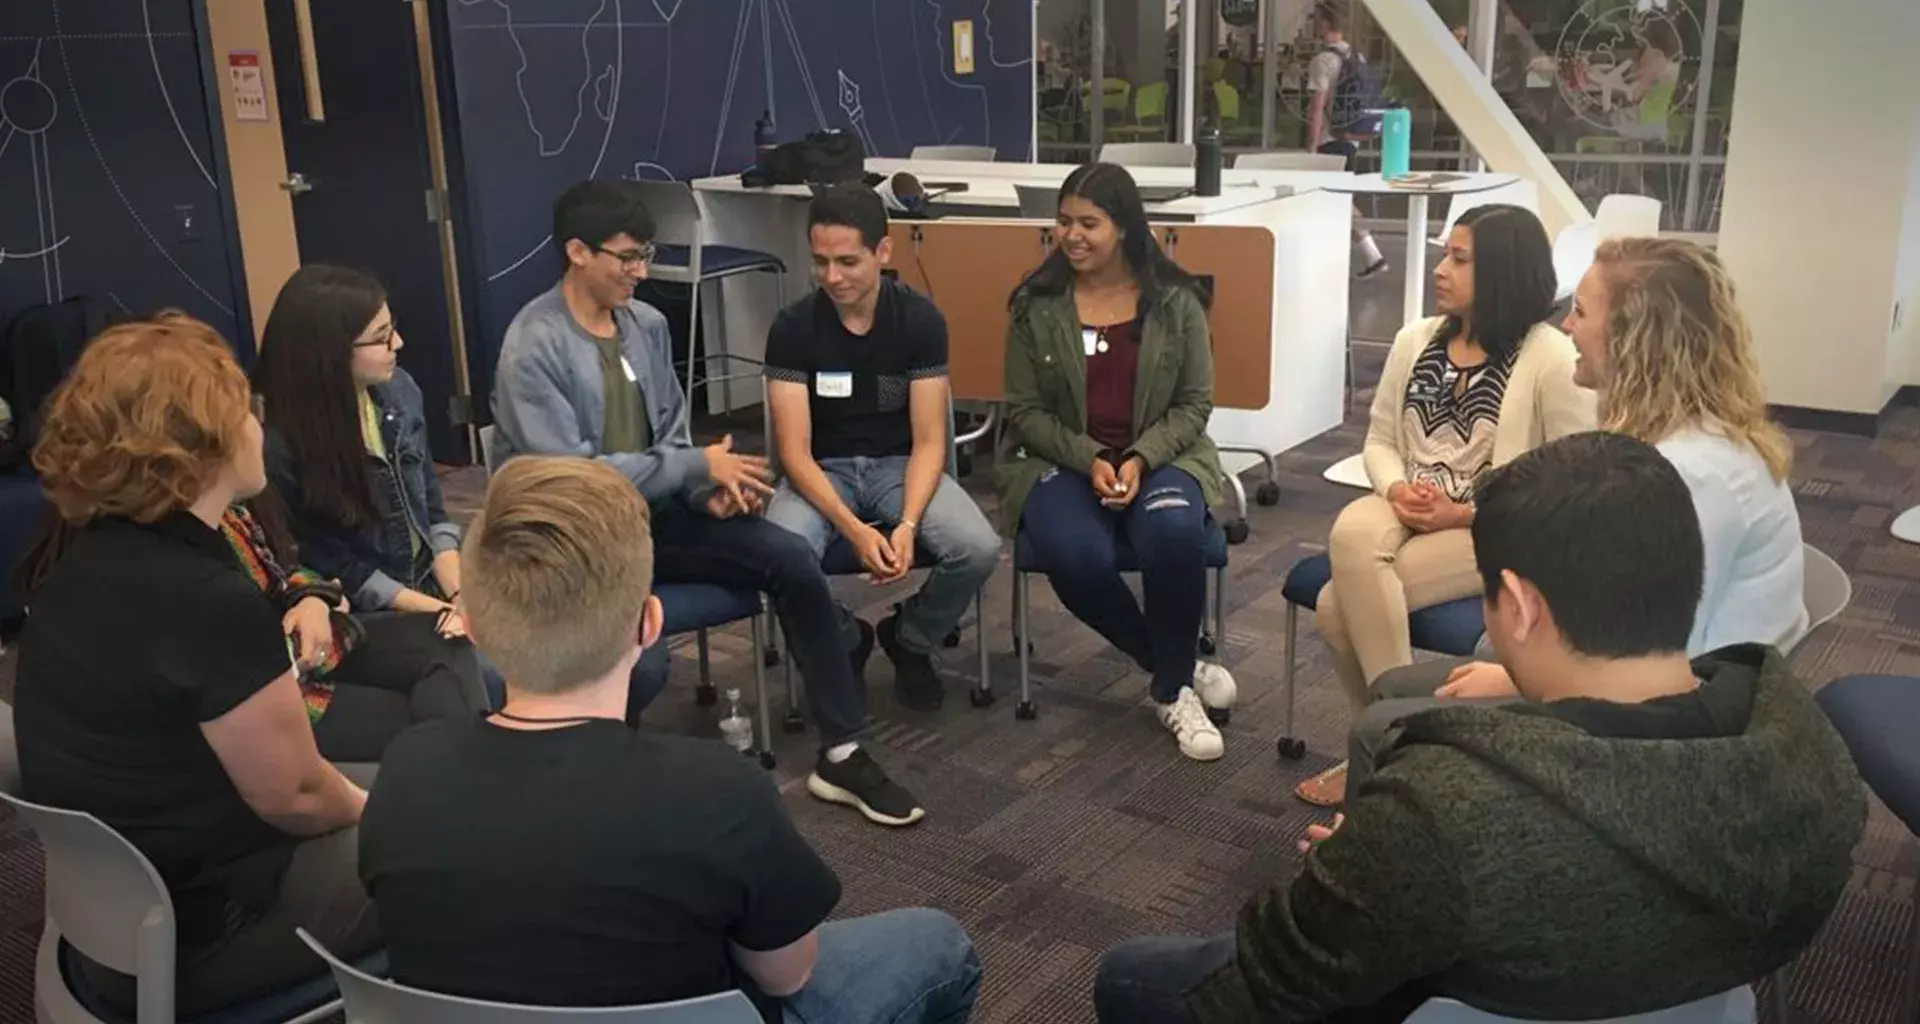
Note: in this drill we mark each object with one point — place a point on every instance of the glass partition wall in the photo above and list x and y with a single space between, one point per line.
1628 96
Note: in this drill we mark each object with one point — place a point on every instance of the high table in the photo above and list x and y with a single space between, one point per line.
1413 304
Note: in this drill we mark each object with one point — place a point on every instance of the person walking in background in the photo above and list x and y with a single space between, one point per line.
1343 95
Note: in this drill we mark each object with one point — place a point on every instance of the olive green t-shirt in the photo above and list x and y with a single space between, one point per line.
625 427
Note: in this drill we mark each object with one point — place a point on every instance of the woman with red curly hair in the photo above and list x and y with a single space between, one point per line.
155 687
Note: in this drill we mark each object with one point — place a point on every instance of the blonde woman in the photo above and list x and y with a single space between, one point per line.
1662 340
1477 386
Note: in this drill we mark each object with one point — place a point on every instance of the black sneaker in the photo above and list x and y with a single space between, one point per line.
916 683
860 783
1378 267
862 650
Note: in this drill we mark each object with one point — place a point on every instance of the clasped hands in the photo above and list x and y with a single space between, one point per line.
1116 486
741 483
1424 508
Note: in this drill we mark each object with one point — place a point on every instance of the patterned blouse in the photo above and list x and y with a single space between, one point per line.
1448 422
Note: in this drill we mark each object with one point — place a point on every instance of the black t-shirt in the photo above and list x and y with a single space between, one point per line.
587 865
858 384
1720 706
139 635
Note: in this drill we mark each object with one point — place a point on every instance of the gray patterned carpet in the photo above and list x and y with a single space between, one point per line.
1056 838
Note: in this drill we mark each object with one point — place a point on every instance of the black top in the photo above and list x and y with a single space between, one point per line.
587 865
140 634
858 384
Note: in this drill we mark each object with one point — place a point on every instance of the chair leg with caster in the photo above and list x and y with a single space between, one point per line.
1290 746
705 696
981 696
761 709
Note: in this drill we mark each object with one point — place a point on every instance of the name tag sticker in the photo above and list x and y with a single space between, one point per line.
833 385
1090 338
632 378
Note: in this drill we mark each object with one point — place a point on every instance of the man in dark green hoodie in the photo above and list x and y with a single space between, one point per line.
1638 833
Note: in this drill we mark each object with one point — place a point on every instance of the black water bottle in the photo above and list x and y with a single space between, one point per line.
1206 160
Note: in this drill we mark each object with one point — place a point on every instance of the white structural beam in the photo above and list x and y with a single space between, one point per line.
1467 95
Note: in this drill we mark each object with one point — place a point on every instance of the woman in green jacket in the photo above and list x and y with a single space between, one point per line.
1109 385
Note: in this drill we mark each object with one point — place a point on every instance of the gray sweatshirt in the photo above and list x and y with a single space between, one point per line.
549 395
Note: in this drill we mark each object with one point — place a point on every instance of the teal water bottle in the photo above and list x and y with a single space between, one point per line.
1396 142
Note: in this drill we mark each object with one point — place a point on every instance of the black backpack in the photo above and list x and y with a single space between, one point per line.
42 343
829 157
1357 91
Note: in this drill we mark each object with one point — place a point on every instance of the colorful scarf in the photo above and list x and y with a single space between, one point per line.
249 542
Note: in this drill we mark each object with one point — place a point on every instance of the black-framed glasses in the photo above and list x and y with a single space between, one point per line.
632 259
385 341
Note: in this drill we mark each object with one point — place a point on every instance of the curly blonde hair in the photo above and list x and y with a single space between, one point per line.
1679 350
145 422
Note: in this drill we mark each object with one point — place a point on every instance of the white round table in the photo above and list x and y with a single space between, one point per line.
1414 303
1906 526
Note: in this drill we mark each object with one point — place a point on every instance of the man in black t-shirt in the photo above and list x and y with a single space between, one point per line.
548 854
857 388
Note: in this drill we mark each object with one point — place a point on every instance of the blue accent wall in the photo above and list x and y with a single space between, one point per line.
553 91
106 154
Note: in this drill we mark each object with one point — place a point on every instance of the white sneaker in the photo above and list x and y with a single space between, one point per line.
1214 685
1186 718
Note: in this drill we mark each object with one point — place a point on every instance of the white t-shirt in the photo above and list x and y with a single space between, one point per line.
1755 568
1323 73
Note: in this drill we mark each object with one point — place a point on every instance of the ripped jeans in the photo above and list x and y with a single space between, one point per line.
1167 529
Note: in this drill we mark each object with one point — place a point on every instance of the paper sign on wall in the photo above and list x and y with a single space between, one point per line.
249 86
963 47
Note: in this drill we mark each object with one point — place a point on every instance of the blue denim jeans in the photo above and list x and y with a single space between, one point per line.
1145 981
953 530
913 966
1167 526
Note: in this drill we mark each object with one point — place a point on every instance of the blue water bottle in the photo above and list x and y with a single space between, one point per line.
1396 142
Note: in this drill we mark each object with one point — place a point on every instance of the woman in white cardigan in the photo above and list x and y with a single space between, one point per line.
1461 393
1663 341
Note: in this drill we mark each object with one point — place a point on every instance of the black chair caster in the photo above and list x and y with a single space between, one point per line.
1237 531
793 722
951 640
1026 711
981 697
1220 716
1292 749
770 657
1267 493
1207 644
767 760
706 696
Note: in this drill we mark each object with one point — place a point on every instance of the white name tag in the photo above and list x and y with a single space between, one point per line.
1090 339
833 385
632 378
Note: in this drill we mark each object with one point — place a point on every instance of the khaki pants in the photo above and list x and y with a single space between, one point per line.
1381 570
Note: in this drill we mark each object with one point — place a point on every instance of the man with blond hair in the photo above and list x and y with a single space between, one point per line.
548 854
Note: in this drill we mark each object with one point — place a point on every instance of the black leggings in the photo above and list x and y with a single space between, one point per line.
402 672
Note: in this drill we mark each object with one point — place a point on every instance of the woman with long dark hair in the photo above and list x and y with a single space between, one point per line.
347 445
1485 381
1109 386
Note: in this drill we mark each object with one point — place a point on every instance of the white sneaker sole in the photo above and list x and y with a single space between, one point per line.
824 790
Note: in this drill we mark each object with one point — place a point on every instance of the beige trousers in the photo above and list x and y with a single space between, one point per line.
1381 571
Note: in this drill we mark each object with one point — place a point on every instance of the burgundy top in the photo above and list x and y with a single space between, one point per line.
1112 365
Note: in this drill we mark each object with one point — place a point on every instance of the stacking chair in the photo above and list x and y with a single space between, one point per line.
1731 1007
1625 216
684 257
1290 161
1147 154
1028 559
980 154
1452 628
696 608
105 901
373 1000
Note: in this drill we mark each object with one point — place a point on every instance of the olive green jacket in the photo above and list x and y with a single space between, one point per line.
1046 389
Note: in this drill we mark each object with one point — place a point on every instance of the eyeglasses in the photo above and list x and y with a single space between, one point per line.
385 341
632 259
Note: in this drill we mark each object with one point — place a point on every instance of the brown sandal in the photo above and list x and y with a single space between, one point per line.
1327 789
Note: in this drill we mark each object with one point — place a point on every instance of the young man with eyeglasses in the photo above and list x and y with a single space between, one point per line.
587 370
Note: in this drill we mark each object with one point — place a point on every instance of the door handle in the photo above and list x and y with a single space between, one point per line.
297 184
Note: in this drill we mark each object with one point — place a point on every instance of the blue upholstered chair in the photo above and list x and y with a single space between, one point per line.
1028 560
1451 628
1879 718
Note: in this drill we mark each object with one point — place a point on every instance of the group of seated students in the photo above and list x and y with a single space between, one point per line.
1644 807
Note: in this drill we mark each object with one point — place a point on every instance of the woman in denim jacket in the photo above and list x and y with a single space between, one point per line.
347 448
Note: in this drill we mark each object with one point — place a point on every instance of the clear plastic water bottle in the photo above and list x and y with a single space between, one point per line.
737 728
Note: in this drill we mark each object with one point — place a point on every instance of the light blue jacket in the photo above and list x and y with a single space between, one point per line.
549 396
